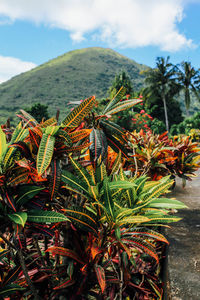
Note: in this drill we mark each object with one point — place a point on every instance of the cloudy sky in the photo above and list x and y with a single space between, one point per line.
34 31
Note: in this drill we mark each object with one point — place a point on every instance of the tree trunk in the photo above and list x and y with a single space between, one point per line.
187 100
165 111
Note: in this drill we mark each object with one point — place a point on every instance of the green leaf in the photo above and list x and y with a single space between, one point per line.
74 183
99 144
50 122
116 145
18 135
113 129
100 173
162 187
27 192
18 218
109 204
63 134
123 106
133 220
3 254
115 99
3 144
166 203
83 218
120 184
162 219
45 153
29 118
82 174
10 289
52 130
116 165
78 114
40 216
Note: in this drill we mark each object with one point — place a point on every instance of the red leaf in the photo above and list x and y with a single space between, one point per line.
100 273
65 252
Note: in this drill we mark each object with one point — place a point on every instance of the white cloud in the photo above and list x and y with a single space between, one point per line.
10 66
122 23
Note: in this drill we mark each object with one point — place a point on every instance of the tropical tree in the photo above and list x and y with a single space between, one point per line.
162 83
153 105
189 82
121 79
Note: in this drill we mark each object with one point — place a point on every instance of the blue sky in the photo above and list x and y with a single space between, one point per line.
35 31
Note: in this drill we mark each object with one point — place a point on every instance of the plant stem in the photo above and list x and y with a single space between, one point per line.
35 242
121 278
46 253
135 161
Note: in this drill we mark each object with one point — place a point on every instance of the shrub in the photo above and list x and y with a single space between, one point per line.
72 223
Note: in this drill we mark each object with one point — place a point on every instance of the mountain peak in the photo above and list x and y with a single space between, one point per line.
74 75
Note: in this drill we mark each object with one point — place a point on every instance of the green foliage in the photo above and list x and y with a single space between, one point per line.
121 79
188 124
66 201
39 111
188 79
154 107
157 126
161 88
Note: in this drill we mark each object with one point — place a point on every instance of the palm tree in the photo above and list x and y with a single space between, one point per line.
188 79
162 83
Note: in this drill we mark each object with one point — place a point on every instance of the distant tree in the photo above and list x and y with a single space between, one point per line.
38 111
154 107
187 124
161 83
121 79
189 80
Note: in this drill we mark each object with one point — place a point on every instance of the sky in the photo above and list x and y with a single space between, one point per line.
35 31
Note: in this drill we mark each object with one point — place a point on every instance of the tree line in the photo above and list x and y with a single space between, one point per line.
163 85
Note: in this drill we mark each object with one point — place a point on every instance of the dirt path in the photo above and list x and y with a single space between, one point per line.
184 250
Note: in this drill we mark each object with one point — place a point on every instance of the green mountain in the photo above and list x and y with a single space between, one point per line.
75 75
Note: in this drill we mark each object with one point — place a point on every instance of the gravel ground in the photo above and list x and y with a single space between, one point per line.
184 250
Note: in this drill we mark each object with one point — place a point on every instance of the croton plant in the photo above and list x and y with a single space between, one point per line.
76 222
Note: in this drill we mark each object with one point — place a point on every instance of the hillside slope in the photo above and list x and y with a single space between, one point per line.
73 76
